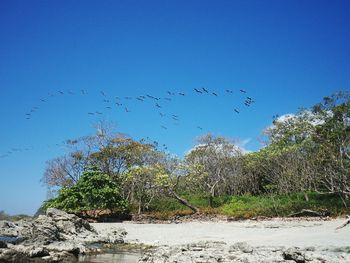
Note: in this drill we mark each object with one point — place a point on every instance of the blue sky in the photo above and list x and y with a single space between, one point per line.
285 54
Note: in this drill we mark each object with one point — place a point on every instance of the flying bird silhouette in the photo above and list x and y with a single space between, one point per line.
236 111
181 94
198 91
242 90
204 90
214 94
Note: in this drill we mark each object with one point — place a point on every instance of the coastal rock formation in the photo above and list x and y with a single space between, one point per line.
54 237
214 252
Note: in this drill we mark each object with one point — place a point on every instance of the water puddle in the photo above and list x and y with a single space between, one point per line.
120 257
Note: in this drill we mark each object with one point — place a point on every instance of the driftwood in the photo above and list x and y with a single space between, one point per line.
347 222
308 212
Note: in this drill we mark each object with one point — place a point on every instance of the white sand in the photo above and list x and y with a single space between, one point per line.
257 233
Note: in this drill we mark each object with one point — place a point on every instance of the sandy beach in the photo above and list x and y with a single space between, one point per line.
276 232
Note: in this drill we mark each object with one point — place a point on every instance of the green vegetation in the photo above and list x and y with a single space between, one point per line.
305 164
93 191
4 216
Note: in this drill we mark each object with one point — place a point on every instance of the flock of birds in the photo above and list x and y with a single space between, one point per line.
123 104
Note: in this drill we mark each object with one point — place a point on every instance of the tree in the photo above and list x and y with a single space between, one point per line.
93 191
141 180
333 138
112 153
64 171
220 160
287 162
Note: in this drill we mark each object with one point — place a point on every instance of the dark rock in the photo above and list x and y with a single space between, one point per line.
3 244
294 254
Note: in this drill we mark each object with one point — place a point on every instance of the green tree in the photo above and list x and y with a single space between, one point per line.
93 191
333 139
220 162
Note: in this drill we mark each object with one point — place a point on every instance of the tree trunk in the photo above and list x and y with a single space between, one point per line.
184 202
140 207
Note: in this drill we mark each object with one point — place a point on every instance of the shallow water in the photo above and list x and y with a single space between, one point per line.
117 257
8 239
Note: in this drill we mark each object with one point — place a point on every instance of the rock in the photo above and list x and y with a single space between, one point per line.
3 244
53 237
215 252
242 246
294 254
38 252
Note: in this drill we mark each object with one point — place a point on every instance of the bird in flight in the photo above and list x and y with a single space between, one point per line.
165 128
181 94
229 91
198 91
215 94
236 111
158 106
199 127
161 114
126 109
91 113
206 91
242 90
103 94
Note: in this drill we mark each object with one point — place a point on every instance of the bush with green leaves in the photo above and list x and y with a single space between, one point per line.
93 191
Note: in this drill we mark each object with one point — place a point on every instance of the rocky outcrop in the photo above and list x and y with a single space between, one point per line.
214 252
54 237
